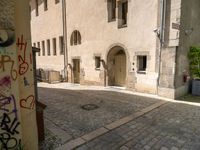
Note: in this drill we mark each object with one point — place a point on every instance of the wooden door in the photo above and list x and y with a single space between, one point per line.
76 70
120 70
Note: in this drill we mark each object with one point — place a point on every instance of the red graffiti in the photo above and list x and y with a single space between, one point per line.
28 103
4 60
23 65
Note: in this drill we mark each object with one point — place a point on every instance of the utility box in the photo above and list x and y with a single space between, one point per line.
196 87
53 76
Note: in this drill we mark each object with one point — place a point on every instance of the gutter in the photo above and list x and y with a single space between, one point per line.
161 36
65 38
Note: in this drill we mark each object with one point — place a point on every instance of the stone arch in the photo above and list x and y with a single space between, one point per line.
117 60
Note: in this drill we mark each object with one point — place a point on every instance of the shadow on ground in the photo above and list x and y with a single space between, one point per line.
66 120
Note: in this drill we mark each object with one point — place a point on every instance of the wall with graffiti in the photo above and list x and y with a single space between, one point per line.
18 128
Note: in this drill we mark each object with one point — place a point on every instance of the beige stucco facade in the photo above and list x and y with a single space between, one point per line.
17 99
92 36
47 26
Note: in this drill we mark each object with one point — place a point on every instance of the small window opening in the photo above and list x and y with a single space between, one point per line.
142 64
48 48
38 46
111 10
75 38
36 8
54 46
97 62
123 13
43 48
45 5
61 42
57 1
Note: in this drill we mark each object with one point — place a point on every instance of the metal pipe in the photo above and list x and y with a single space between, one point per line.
162 28
65 38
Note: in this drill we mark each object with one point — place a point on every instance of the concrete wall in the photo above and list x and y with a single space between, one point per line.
99 36
189 36
17 100
174 61
47 25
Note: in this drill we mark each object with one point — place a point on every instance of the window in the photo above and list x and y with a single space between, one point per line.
75 38
61 42
54 46
48 48
36 8
111 10
43 48
123 11
45 5
97 62
57 1
38 46
142 64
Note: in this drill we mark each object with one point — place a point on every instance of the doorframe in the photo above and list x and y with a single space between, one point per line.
128 63
72 60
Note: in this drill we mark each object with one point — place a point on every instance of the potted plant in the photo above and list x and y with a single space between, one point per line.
194 57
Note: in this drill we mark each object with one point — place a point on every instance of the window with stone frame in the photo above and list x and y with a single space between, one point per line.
38 46
122 13
141 64
36 8
57 1
61 44
48 48
43 48
45 5
97 62
111 6
54 47
75 38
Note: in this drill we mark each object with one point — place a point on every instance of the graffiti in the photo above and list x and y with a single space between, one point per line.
8 130
28 103
7 37
5 59
26 82
5 85
8 105
23 65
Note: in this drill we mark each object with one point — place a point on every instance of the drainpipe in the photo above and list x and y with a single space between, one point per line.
64 21
161 37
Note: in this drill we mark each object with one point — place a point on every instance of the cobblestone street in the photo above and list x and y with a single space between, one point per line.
121 121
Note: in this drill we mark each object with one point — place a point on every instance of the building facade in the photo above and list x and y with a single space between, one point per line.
47 33
138 45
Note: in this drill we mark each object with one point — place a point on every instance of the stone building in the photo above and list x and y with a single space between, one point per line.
18 128
139 45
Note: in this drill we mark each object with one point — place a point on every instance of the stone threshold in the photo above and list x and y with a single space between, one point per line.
107 128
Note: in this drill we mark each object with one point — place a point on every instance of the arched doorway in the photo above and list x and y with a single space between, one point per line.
116 62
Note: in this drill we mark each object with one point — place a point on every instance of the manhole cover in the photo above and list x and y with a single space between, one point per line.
89 107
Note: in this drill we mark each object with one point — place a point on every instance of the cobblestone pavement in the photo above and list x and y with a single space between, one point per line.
66 120
173 126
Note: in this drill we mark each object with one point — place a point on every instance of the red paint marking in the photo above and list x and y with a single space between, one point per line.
28 103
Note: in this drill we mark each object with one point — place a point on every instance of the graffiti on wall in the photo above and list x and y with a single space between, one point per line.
28 103
9 128
7 64
23 64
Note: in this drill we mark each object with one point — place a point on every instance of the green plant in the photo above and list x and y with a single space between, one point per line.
194 57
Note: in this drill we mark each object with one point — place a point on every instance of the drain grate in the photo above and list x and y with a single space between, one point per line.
89 107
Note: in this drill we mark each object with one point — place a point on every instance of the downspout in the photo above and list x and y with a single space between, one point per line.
161 37
64 21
